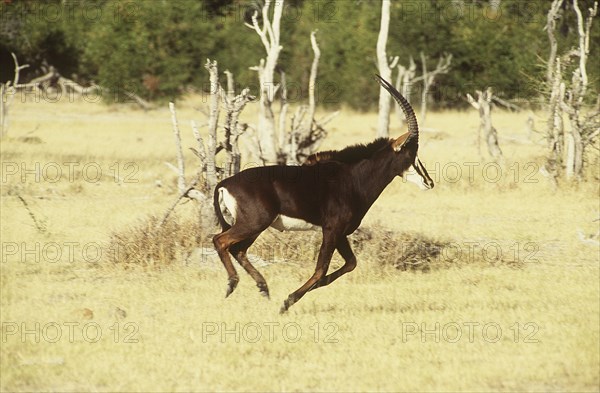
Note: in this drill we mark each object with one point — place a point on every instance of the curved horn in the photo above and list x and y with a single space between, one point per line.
411 118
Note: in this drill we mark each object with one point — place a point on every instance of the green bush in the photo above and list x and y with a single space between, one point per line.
157 49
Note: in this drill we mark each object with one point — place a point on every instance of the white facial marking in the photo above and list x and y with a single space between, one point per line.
285 223
412 176
229 201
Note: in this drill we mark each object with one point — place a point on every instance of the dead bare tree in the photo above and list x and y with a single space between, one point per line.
306 133
404 82
567 146
233 107
582 127
407 78
8 91
209 173
484 105
555 120
269 35
442 67
385 70
213 121
51 82
185 190
272 141
555 128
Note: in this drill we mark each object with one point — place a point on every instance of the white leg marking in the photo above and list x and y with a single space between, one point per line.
285 223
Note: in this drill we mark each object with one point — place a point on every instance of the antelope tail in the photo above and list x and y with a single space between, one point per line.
217 205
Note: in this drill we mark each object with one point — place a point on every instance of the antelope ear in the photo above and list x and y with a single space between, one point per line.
398 143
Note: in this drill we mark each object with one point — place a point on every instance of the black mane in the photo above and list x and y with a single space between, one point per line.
352 154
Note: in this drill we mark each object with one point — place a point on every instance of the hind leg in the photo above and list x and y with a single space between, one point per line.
252 216
236 240
222 243
238 251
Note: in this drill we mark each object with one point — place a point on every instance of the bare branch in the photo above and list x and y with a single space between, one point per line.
582 43
230 85
201 152
472 101
180 162
425 88
553 15
185 193
483 105
507 104
442 67
313 77
328 118
38 225
385 71
172 167
261 33
18 69
232 131
283 110
7 95
139 100
211 171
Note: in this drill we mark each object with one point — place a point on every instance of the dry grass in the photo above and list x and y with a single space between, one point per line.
496 256
150 245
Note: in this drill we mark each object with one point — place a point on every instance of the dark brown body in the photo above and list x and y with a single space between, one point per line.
317 193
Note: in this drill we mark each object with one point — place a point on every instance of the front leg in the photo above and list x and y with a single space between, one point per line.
325 254
345 251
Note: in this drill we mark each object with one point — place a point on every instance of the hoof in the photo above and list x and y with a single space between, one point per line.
264 290
233 282
286 305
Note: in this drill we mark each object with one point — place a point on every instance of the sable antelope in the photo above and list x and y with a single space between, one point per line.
334 192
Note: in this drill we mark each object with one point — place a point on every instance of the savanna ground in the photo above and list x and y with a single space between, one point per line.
511 302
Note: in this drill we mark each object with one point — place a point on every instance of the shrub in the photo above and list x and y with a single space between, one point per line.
403 251
145 245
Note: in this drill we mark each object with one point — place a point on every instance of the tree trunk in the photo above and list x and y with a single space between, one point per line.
213 118
550 27
7 95
269 35
483 105
385 70
579 84
426 84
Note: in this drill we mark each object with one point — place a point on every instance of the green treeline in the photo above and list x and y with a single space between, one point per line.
157 48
